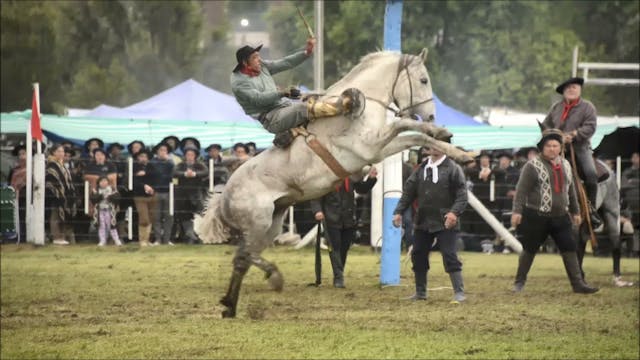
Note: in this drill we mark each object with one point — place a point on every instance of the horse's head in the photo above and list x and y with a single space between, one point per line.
412 91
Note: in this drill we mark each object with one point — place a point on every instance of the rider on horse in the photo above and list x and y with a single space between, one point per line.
255 90
577 118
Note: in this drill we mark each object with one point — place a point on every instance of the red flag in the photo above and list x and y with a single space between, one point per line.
36 130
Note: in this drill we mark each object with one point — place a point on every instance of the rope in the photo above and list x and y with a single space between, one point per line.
582 197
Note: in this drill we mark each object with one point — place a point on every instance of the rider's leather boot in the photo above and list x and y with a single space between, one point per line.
596 221
348 101
571 265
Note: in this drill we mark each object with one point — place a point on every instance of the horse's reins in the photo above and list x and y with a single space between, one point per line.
402 65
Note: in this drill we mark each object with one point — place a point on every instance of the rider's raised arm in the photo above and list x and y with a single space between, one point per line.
286 63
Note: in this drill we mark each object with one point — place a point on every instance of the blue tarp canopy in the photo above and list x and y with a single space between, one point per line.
447 116
189 100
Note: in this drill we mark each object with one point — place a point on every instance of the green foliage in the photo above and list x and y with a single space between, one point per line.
87 302
482 53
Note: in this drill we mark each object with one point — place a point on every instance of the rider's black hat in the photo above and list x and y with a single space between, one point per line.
243 54
573 80
550 134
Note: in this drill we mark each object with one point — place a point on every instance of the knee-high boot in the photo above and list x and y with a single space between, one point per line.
570 260
458 286
338 269
421 286
524 265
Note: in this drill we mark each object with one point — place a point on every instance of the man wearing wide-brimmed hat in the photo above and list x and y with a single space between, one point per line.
577 119
256 91
545 204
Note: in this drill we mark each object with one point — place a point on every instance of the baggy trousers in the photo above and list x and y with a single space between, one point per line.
422 247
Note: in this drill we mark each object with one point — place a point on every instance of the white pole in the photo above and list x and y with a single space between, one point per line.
29 187
37 218
130 173
492 190
211 175
574 65
496 225
291 223
130 223
171 199
130 187
377 194
318 59
618 171
86 197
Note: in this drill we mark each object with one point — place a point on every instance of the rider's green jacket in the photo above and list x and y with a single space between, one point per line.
259 94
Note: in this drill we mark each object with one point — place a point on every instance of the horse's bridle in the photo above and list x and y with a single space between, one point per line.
405 61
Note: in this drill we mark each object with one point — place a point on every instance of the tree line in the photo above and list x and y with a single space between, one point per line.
481 53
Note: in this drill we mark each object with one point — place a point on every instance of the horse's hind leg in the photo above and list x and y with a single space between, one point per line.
241 264
273 275
271 272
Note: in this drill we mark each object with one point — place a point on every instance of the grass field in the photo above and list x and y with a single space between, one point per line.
87 302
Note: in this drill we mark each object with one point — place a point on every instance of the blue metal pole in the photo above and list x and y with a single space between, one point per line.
392 174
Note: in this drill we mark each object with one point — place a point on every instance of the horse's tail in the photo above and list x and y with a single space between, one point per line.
208 224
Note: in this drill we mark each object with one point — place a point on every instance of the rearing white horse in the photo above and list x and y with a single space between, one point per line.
256 197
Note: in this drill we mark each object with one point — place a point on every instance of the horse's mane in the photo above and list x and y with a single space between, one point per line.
364 63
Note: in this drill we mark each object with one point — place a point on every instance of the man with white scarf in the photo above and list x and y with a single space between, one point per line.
438 185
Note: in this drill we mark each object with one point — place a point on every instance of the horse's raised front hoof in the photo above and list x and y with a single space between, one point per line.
469 157
276 281
443 134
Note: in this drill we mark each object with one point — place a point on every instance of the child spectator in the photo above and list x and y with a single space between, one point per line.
105 199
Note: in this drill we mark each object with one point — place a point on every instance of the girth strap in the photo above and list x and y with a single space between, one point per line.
322 152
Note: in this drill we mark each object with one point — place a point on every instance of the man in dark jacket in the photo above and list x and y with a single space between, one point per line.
190 191
163 220
577 119
439 186
338 210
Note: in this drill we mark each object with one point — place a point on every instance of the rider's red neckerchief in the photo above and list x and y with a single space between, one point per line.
558 177
247 71
346 185
567 108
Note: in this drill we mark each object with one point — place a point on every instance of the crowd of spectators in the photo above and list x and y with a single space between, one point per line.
182 162
104 173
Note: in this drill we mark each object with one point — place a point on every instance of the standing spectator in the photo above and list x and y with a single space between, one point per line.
338 210
174 150
241 152
189 191
59 197
18 180
251 146
143 194
87 156
99 167
134 147
545 196
439 186
190 142
220 171
630 195
480 177
163 220
105 198
115 156
213 152
577 119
